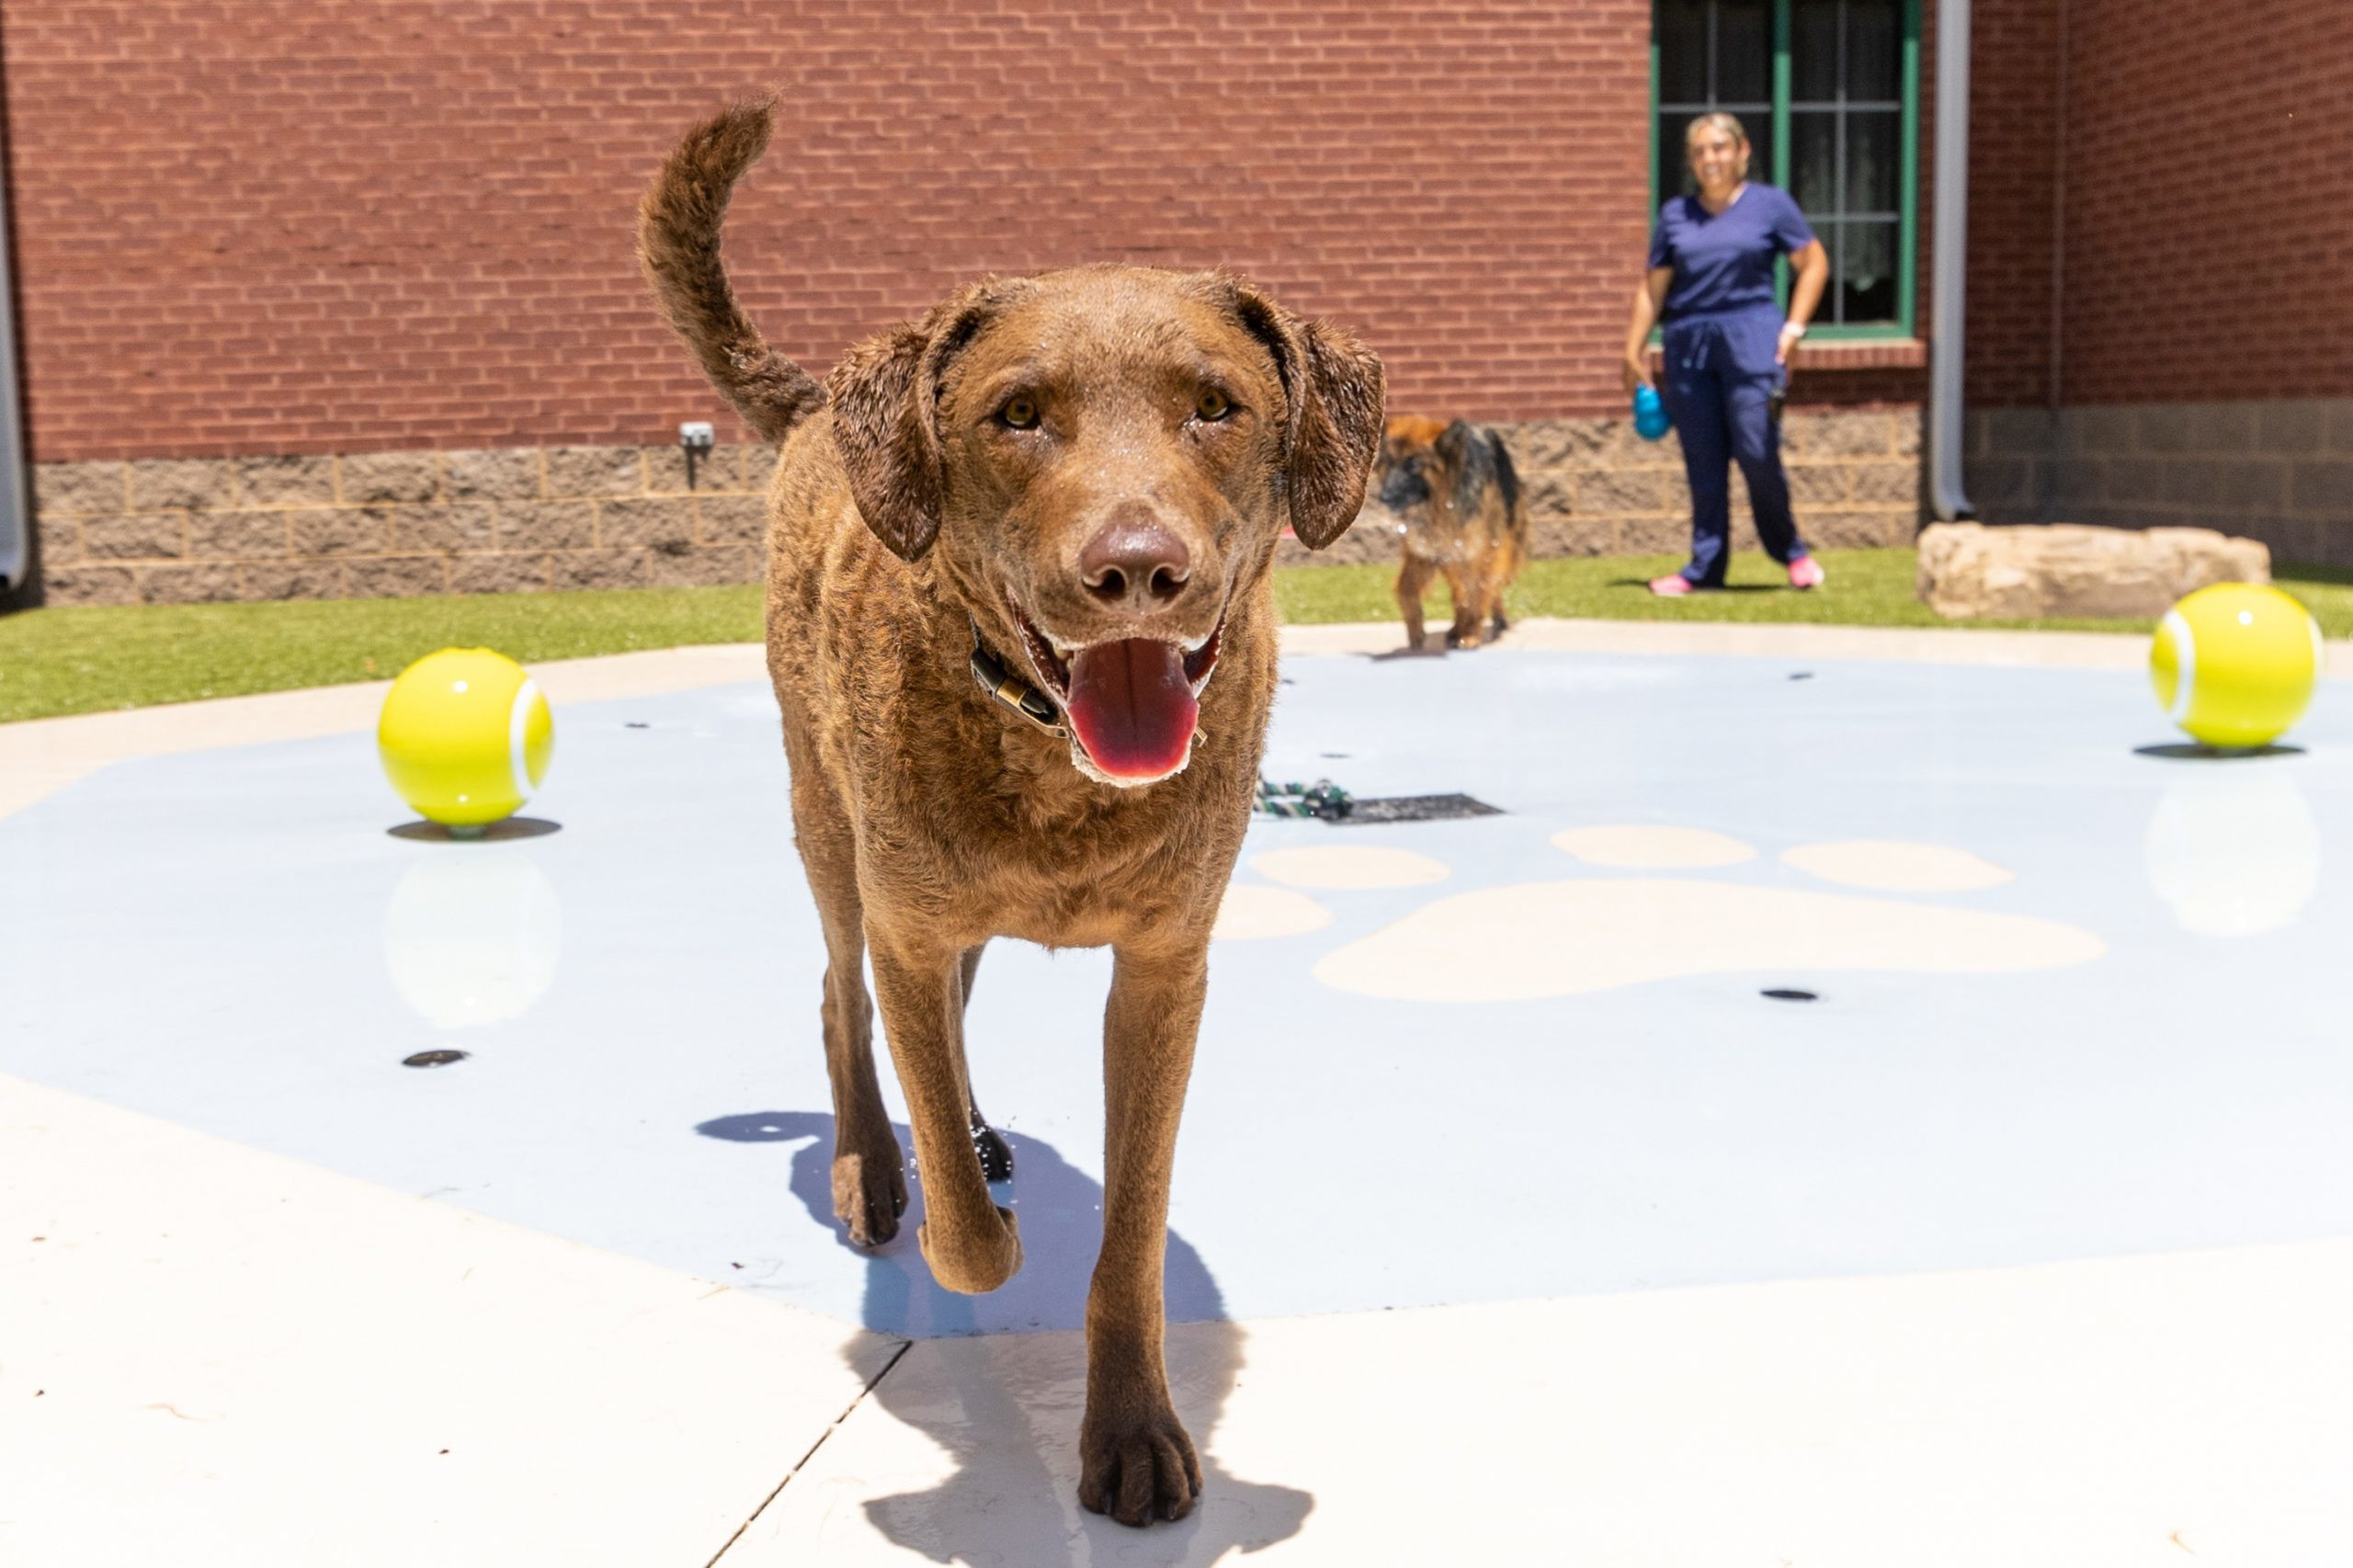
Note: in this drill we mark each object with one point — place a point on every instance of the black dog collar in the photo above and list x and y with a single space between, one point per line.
990 673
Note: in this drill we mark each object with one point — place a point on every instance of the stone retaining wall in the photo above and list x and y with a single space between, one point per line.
382 524
385 524
2278 470
1595 488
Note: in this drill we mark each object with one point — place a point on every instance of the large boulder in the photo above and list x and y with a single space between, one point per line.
2030 570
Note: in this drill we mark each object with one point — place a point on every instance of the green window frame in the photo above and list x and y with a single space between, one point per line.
1832 111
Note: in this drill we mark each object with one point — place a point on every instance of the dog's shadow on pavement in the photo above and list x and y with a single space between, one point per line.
1007 1407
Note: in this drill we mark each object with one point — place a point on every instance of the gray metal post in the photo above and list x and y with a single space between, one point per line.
1950 273
15 511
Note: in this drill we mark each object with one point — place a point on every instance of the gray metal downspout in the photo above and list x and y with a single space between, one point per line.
15 515
1949 279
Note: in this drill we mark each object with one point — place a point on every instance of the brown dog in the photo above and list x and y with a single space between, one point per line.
1454 491
1010 546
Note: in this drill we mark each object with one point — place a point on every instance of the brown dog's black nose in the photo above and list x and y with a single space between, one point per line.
1135 566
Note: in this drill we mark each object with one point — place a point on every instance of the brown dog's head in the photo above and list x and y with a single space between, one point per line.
1450 489
1409 470
1098 461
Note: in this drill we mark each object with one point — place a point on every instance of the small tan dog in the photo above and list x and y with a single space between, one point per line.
1456 496
1011 545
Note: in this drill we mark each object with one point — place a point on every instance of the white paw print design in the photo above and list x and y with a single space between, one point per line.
1567 937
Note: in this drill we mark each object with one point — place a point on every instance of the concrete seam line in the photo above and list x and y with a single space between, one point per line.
802 1463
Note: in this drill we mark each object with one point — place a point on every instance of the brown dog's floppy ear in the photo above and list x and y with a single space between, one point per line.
1453 445
1335 390
885 396
883 431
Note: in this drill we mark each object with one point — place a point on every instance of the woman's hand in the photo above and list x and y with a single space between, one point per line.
1812 264
1634 369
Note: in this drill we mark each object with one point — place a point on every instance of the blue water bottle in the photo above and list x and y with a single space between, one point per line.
1650 415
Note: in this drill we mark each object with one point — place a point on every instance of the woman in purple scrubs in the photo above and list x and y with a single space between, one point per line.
1710 284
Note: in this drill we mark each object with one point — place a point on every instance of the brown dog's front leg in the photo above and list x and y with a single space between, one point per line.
972 1245
1463 584
996 1155
1136 1461
1413 581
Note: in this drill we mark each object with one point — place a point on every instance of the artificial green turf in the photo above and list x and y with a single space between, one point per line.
1867 588
81 659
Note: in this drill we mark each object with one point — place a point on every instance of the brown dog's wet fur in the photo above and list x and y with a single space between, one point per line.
1455 491
946 472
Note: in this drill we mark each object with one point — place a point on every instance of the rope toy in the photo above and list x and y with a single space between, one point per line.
1322 798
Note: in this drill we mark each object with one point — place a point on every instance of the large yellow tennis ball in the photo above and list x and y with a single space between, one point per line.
2235 662
465 736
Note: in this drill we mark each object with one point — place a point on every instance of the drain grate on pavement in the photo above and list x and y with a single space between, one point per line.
1414 808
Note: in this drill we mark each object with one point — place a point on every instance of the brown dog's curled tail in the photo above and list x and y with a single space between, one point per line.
677 244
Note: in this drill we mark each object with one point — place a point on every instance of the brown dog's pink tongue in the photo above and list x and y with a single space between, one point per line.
1133 707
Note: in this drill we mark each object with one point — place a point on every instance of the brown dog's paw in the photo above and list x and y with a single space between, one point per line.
1461 637
972 1265
1140 1468
870 1193
996 1155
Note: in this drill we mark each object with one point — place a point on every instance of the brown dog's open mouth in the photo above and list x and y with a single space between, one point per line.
1132 703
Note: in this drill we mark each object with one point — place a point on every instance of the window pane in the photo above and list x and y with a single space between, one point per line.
1846 164
1834 244
1743 52
1682 39
1874 146
1759 124
1874 50
1814 160
1674 173
1813 51
1866 272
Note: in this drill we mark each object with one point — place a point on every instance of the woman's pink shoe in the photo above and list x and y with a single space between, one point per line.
1806 572
1674 585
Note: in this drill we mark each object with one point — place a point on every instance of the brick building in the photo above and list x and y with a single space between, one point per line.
336 297
2161 267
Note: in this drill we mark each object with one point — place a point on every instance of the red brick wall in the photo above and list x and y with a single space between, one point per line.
2013 162
2208 237
341 225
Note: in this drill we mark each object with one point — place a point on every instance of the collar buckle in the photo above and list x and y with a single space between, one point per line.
1009 690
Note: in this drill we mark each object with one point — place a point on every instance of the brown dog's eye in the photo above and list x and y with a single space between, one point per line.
1211 406
1021 414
